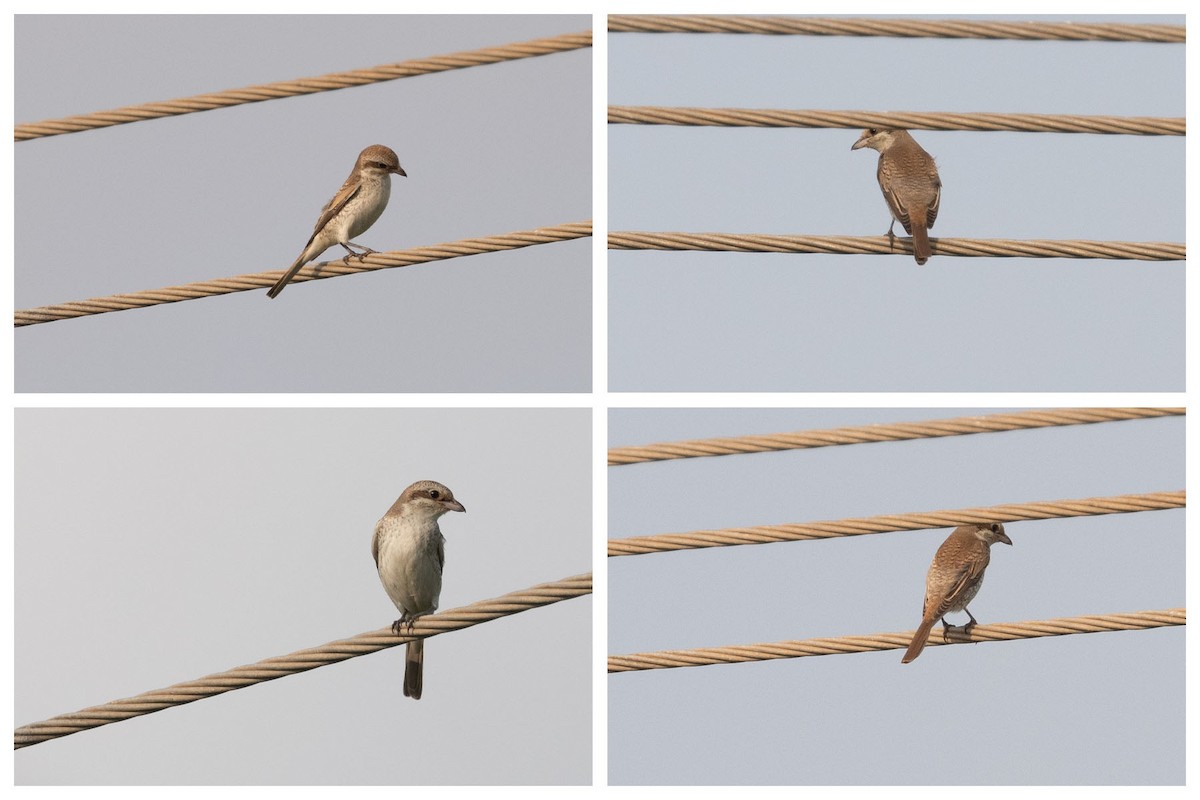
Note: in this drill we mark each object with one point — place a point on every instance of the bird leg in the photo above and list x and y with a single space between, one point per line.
351 254
406 621
892 246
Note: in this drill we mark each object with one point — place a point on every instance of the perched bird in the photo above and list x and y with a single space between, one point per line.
409 552
910 183
955 577
354 208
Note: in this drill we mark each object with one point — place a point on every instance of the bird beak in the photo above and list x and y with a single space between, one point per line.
1003 537
451 505
400 171
862 142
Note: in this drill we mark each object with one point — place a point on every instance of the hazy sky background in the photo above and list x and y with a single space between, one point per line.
173 544
1102 708
488 150
744 322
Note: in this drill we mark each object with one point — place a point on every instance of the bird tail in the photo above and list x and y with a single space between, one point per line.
414 660
918 641
920 248
287 276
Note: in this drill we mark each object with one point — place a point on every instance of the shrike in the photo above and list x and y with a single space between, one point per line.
409 552
908 178
954 578
354 208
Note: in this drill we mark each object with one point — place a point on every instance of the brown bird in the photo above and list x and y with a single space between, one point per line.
910 183
954 578
354 208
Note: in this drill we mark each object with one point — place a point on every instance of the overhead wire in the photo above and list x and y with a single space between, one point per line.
302 86
911 120
908 28
887 432
881 245
317 271
889 523
302 660
842 645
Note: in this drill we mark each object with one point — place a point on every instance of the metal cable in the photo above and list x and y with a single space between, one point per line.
303 86
922 520
892 432
913 28
879 245
302 660
327 269
666 659
912 120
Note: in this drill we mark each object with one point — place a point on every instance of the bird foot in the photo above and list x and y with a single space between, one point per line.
360 256
957 633
406 621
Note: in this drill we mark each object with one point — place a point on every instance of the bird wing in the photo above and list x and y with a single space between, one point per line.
932 212
350 188
375 543
441 554
967 576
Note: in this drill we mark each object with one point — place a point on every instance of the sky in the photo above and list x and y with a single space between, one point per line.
687 321
488 151
176 543
1090 709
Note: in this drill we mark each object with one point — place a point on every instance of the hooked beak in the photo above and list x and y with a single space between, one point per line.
451 505
399 170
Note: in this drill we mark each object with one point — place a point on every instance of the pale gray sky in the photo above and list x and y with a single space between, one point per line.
158 546
684 321
1097 709
488 150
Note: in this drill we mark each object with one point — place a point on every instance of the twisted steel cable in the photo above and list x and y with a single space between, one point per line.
302 660
317 271
912 28
921 520
736 654
879 245
891 432
303 86
912 120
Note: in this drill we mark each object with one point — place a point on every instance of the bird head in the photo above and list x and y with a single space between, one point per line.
380 159
429 497
992 533
875 138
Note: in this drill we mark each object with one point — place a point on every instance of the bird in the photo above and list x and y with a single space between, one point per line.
354 208
909 180
954 578
409 552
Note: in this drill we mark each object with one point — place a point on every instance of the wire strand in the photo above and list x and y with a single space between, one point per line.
880 245
302 86
327 269
737 654
915 521
303 660
912 120
893 432
913 28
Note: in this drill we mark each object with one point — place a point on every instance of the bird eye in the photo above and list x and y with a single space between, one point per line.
995 528
433 493
872 131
